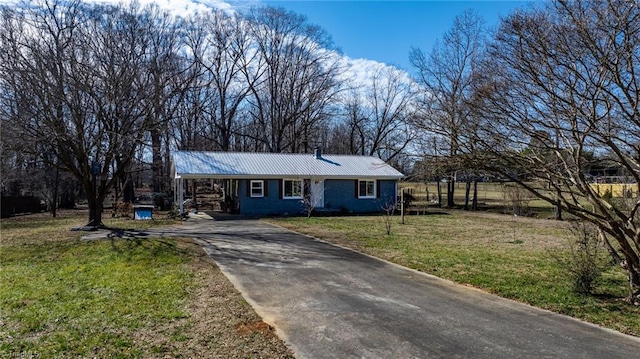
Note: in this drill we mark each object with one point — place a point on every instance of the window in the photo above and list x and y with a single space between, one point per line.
257 188
292 189
366 189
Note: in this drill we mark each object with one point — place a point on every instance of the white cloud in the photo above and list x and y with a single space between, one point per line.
176 7
361 72
179 7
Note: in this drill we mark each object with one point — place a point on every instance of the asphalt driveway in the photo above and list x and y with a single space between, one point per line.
329 302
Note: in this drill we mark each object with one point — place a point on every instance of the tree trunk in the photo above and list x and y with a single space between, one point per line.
99 209
439 193
450 191
56 184
632 267
167 180
156 165
128 193
474 204
427 190
95 212
631 262
96 193
558 213
67 195
467 192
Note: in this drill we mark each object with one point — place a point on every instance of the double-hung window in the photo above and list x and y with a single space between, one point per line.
292 189
366 189
257 188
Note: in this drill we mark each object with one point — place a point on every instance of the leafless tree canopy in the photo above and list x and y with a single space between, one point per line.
125 85
377 117
560 86
448 75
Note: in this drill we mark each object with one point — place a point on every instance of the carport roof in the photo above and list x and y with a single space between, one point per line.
196 164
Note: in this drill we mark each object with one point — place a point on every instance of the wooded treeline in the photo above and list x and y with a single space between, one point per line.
126 85
553 91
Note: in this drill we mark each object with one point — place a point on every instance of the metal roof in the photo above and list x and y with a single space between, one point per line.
195 164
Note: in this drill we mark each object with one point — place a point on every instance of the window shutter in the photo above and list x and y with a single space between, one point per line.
248 187
378 189
280 189
265 187
306 187
357 189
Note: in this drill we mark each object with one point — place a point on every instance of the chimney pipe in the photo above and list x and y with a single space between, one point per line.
317 153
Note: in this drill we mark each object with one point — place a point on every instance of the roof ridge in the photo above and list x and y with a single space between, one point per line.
280 153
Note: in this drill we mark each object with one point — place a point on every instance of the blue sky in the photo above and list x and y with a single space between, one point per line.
380 31
385 31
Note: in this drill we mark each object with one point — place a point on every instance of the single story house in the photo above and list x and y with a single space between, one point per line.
280 184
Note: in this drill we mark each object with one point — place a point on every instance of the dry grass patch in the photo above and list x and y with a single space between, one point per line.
220 324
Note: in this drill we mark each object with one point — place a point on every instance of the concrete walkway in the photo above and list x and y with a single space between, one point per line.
330 302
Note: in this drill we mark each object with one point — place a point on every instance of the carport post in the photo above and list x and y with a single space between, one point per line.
181 196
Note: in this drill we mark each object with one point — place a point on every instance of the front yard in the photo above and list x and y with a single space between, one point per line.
506 255
129 298
152 297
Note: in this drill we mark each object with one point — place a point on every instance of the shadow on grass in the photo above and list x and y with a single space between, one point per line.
605 296
413 212
124 240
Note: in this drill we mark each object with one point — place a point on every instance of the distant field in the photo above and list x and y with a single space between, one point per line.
502 254
496 197
616 190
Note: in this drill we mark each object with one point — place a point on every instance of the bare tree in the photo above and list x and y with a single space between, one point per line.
169 76
25 58
389 106
561 83
354 125
388 210
376 118
447 75
292 80
220 46
75 74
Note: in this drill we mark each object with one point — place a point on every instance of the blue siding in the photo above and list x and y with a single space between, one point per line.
271 204
338 195
341 194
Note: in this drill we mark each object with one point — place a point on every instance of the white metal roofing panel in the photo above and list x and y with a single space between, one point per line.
195 164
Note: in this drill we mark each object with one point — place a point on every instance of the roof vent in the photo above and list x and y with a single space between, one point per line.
317 153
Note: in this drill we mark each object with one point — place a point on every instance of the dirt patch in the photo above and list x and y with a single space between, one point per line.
221 324
255 327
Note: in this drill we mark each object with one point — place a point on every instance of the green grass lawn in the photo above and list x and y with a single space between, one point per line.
84 299
506 255
128 298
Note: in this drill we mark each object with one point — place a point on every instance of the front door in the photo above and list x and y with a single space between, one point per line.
317 193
